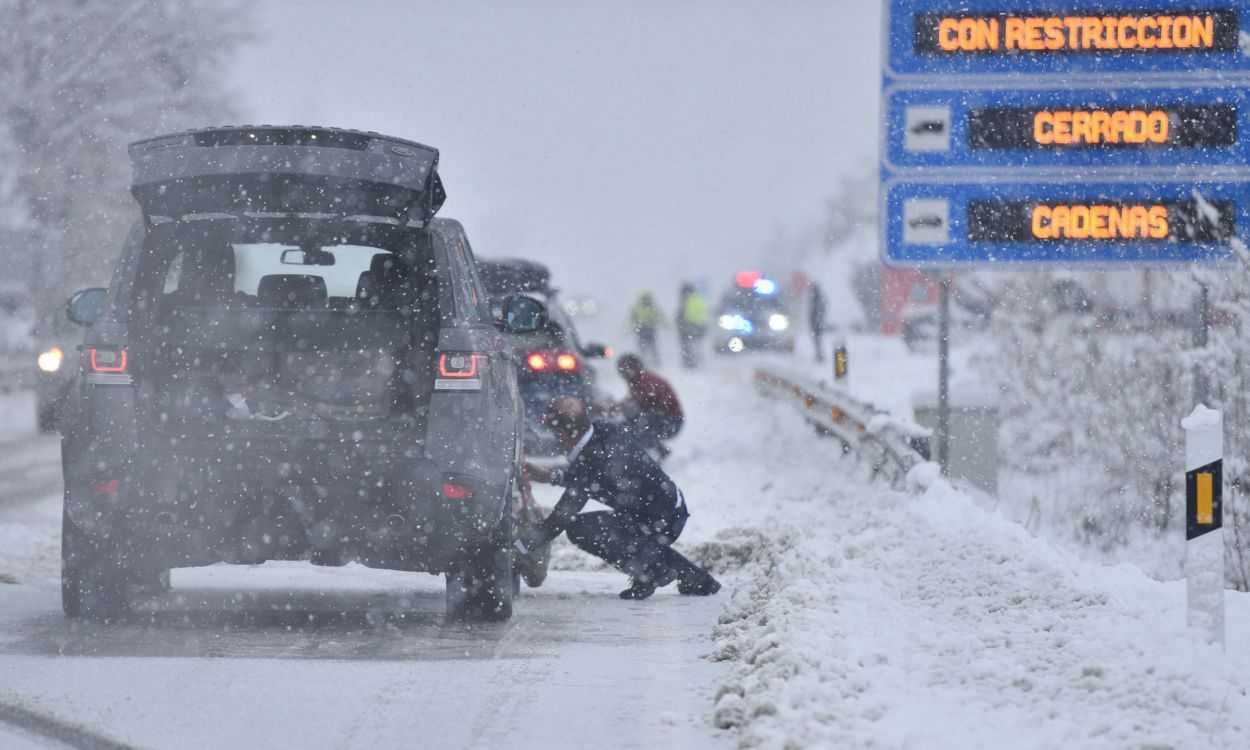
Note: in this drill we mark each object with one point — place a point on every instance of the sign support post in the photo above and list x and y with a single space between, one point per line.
1204 521
1201 313
944 373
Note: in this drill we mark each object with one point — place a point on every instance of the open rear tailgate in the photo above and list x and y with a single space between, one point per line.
286 170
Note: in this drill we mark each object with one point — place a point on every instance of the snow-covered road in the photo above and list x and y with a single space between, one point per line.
291 655
854 616
286 656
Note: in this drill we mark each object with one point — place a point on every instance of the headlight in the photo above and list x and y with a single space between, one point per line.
737 323
778 322
735 345
50 361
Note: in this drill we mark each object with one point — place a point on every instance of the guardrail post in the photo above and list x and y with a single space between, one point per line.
1204 521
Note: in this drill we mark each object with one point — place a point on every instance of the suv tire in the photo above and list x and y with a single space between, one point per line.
94 579
480 588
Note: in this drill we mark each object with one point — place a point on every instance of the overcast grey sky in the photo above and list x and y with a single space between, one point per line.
626 143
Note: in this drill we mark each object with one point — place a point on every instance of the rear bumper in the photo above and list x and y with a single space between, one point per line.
377 505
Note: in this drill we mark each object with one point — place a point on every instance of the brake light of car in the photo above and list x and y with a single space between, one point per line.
106 486
457 491
50 361
107 360
553 360
458 365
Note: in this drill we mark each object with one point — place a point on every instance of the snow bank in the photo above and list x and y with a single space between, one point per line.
30 542
875 618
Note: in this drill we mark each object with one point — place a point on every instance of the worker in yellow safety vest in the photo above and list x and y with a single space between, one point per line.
693 316
646 319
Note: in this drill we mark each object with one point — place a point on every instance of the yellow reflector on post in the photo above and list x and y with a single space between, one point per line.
1206 494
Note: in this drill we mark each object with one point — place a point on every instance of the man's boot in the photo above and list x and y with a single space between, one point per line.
639 588
695 581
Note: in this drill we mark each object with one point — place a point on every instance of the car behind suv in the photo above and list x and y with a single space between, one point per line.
55 340
294 360
551 361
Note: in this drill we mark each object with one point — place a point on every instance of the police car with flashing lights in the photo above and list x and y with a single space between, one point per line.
752 316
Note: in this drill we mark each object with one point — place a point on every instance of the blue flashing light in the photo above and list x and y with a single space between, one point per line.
765 287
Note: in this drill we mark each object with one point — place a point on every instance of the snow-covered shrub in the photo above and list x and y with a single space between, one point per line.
1090 409
1226 365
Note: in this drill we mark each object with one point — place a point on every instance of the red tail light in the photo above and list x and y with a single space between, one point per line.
457 491
458 365
106 486
549 360
107 360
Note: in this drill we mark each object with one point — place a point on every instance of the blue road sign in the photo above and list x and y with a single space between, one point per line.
934 38
939 224
1067 132
1142 128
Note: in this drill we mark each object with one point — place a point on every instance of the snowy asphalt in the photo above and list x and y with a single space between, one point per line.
290 655
286 656
854 615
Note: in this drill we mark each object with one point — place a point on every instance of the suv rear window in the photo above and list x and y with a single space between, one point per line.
346 279
292 267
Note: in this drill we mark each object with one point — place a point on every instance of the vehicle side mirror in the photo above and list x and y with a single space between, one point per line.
85 307
523 314
596 351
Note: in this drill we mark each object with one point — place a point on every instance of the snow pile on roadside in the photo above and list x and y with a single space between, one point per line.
732 549
924 622
30 542
781 626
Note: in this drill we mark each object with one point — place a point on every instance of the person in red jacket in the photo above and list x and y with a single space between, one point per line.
652 412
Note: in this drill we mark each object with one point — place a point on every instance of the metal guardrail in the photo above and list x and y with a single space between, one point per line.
891 444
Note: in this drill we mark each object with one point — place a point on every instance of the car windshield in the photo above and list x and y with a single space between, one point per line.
254 261
747 302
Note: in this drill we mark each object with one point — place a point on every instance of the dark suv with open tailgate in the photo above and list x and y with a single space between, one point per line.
294 360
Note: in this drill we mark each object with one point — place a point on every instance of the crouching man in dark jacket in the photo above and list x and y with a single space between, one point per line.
648 511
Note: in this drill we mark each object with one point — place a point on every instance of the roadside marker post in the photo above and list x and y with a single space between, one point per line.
1204 521
840 361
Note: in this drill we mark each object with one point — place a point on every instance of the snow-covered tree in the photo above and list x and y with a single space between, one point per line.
1226 365
1090 408
78 80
